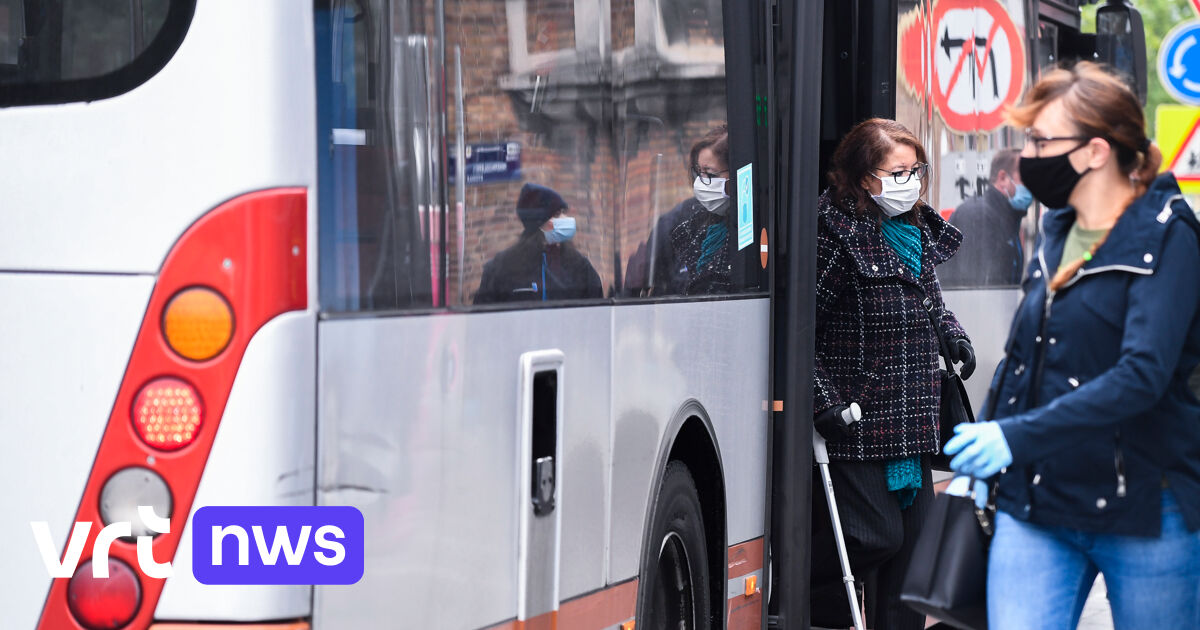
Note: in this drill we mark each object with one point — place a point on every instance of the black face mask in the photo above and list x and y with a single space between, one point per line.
1051 179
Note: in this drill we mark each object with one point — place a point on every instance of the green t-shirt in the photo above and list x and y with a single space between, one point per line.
1079 241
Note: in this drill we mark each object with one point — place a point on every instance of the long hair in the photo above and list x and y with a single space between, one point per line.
856 156
1100 106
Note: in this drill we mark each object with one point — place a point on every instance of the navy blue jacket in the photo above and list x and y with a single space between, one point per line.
1092 395
875 344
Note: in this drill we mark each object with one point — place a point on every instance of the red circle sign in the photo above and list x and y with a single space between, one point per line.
978 63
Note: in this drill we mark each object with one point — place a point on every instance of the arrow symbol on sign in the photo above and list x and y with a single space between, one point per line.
1177 68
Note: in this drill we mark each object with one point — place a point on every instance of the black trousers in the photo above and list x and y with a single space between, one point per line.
879 540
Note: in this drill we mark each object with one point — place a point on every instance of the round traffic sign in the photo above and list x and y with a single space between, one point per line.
1179 62
978 63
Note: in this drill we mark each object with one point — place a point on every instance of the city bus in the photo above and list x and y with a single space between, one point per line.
525 282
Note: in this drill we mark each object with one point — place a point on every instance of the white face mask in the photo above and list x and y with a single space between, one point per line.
896 199
712 195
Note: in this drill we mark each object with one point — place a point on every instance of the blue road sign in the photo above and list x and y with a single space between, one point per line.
1179 62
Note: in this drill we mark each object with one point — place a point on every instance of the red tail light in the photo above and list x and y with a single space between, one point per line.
104 603
167 413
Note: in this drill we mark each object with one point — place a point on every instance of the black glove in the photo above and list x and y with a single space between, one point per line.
961 352
830 425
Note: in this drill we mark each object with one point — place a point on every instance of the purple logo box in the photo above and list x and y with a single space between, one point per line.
277 545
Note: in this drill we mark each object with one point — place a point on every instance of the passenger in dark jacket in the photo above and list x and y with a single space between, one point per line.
1093 429
991 253
542 265
877 245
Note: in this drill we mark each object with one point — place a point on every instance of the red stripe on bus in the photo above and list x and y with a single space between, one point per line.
746 558
742 611
600 609
251 249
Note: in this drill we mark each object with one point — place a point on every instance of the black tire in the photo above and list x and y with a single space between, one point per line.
674 590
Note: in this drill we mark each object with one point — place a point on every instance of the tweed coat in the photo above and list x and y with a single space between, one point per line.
875 344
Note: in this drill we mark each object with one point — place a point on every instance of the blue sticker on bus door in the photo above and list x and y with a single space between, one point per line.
745 205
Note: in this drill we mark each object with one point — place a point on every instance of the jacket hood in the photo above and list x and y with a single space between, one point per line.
873 256
1137 239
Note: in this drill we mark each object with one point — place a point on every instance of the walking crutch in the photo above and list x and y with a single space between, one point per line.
821 454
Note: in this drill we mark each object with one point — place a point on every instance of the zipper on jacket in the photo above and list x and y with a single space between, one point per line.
1119 464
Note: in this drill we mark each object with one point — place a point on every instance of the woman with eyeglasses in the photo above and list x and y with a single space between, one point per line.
1093 435
877 246
690 245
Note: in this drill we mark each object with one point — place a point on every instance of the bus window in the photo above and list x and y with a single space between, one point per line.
956 109
53 52
531 153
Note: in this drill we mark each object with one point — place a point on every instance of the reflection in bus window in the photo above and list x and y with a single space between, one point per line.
688 251
542 264
992 251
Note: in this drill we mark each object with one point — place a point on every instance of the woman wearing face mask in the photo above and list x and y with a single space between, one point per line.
542 265
877 245
1095 441
689 245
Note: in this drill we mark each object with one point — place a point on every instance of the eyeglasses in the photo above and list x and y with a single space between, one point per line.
919 171
706 176
1039 142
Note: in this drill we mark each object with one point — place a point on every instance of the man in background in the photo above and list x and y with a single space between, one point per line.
991 252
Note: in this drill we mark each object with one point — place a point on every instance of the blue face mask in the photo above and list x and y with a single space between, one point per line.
1021 198
563 230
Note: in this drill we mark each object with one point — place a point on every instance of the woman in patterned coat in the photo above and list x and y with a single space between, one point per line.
877 245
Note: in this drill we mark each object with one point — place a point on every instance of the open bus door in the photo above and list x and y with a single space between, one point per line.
837 63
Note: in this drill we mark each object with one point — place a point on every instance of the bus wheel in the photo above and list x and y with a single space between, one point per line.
677 580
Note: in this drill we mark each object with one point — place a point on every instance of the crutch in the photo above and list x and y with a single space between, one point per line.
821 454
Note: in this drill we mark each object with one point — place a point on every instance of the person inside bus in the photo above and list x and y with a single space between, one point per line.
991 252
1090 430
543 264
688 251
877 245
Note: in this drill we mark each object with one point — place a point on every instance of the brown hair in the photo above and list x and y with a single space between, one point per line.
1004 160
717 140
856 156
1100 106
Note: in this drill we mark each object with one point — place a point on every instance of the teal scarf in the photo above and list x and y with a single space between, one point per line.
904 478
906 240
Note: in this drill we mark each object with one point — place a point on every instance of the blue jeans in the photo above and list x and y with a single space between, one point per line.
1039 577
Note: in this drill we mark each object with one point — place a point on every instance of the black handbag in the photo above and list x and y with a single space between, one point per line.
947 574
955 407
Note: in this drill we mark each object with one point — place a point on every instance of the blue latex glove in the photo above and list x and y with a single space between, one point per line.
981 449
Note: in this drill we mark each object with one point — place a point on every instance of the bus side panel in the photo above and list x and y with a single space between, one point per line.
66 340
986 315
263 455
716 353
418 428
122 178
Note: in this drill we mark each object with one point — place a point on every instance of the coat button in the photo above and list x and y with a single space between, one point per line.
1019 370
1053 341
1028 507
1037 479
1073 381
1101 503
1012 400
1148 258
1037 273
1038 339
874 267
